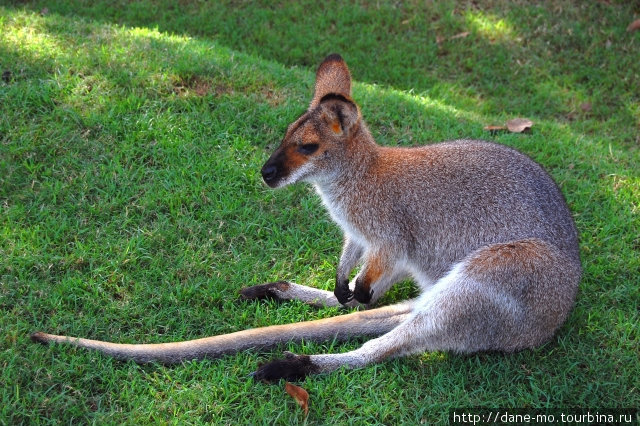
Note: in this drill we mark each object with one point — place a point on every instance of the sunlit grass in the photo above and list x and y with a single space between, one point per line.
491 27
23 33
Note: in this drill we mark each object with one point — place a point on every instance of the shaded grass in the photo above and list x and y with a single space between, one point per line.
132 208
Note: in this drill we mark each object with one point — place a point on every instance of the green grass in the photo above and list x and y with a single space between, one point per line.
132 209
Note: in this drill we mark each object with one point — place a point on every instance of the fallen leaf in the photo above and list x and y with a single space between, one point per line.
634 26
495 128
460 35
300 395
519 125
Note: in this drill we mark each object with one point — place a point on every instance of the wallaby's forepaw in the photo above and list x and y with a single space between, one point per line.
292 368
264 291
361 294
39 337
343 293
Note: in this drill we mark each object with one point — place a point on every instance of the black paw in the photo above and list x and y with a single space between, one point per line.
292 368
39 337
362 294
264 291
342 292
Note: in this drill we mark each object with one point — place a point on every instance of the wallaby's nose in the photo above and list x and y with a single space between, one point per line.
269 173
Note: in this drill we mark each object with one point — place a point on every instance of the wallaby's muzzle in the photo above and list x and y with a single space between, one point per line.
269 174
274 171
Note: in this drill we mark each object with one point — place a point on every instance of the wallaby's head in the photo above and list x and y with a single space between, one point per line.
317 140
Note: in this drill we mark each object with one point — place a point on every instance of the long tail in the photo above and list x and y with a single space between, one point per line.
372 322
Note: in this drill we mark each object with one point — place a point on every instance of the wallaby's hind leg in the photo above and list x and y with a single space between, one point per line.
411 336
284 290
502 297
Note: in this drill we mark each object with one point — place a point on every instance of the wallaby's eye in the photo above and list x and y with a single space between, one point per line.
308 148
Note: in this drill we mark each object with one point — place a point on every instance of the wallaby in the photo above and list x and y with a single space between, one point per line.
482 229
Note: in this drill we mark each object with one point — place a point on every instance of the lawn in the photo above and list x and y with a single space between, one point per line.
132 207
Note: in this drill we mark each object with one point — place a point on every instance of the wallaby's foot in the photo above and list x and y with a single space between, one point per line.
342 292
292 368
264 291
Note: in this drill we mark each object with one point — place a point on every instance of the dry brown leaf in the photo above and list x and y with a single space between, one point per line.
519 125
634 26
494 128
460 35
300 395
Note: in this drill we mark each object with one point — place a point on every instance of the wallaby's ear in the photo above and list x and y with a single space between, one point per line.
332 77
340 114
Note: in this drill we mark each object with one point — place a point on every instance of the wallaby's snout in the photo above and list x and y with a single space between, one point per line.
269 170
269 173
275 170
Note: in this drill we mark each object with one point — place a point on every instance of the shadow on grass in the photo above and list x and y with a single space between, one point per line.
534 59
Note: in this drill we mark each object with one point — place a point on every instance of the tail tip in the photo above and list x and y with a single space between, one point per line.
39 337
